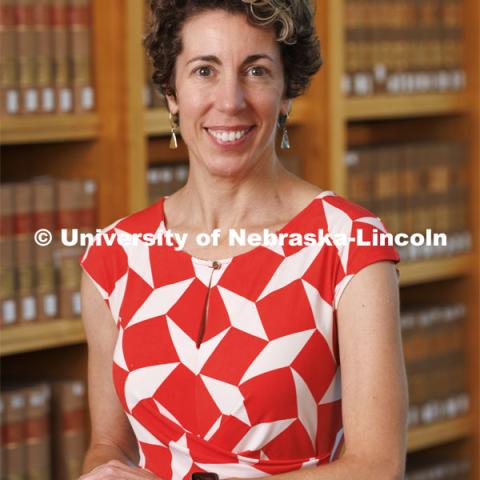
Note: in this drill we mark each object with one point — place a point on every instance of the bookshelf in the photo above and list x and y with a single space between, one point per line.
439 433
41 335
116 143
398 106
423 271
49 128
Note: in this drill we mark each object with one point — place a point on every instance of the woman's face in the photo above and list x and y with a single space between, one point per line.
229 92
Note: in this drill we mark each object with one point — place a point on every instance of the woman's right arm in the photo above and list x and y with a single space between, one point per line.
111 437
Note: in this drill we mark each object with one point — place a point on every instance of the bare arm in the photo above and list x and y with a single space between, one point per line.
112 437
374 384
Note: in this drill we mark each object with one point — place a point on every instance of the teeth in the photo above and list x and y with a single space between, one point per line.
228 136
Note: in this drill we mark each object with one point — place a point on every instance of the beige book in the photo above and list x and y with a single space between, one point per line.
9 101
24 252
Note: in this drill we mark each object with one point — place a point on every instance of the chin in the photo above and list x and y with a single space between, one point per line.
228 167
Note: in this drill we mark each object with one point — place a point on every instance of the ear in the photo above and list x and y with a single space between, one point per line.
172 104
286 106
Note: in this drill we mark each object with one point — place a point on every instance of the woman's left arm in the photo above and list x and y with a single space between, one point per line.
374 382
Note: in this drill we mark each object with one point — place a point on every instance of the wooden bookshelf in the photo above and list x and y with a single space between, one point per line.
113 145
429 270
420 438
41 335
399 106
156 122
21 129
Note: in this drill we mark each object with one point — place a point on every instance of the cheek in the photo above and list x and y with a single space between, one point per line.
267 97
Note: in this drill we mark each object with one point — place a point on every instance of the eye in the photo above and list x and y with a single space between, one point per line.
204 71
257 71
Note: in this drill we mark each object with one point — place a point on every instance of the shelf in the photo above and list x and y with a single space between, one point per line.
439 433
157 122
423 271
40 335
398 106
15 129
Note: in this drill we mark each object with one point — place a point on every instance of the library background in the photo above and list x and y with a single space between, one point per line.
391 122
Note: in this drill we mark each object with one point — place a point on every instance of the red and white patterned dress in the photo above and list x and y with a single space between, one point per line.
261 394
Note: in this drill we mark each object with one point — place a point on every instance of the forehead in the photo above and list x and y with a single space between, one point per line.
217 32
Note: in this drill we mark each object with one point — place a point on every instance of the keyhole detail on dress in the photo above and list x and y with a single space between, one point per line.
214 266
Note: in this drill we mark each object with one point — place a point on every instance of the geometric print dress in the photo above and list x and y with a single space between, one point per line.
232 366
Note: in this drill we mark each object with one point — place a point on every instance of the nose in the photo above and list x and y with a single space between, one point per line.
230 95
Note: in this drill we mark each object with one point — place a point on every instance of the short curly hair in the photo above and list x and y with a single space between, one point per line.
293 21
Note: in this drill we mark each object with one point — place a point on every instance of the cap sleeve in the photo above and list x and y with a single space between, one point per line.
362 250
105 264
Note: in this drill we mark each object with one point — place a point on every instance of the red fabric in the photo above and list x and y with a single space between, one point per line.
262 393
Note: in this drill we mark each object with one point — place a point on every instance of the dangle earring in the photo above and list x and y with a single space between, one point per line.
173 128
282 122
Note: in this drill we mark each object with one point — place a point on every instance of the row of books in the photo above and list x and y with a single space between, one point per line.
437 389
403 46
46 56
40 275
433 330
44 434
434 340
166 179
414 187
458 469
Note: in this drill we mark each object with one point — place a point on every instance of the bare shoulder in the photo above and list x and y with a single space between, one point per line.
300 192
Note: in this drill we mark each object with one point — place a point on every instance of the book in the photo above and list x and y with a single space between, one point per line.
61 78
26 53
80 31
24 252
13 436
44 200
9 95
8 304
68 429
43 38
37 431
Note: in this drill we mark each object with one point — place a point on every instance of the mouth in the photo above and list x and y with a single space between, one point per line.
229 135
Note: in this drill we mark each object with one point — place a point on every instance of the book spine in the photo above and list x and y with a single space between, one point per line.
452 44
13 438
9 96
8 306
69 216
80 31
379 39
69 432
37 439
26 57
24 249
44 218
44 54
61 48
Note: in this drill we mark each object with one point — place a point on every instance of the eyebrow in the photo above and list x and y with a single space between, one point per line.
215 59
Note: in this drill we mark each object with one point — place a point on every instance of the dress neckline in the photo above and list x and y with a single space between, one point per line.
226 260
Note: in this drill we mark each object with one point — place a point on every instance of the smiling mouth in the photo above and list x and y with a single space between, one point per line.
229 136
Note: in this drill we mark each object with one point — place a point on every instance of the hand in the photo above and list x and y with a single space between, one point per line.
117 470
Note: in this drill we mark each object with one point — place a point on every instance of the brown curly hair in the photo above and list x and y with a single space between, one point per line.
293 21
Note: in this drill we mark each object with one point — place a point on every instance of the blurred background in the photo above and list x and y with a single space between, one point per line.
391 122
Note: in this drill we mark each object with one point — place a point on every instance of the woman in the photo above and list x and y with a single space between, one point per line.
226 358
